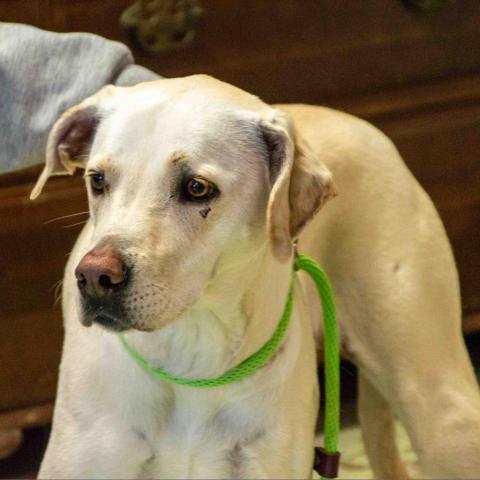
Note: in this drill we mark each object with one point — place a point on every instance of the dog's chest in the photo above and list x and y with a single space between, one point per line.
198 438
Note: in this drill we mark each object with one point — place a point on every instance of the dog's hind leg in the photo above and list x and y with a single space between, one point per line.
378 432
417 360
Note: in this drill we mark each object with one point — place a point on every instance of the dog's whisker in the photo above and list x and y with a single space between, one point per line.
75 224
65 216
58 294
55 285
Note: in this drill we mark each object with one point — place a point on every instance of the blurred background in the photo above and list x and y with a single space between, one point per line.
412 68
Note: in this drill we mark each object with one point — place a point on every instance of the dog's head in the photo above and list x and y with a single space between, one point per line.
186 179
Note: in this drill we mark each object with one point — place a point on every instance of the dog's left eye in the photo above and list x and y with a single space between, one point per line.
198 188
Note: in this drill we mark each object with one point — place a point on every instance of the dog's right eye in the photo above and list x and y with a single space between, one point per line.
97 182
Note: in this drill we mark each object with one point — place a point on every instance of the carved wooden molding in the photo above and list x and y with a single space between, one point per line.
13 422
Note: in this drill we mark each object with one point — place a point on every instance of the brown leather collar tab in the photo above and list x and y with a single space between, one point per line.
326 464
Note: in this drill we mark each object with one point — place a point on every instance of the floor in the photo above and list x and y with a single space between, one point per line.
24 464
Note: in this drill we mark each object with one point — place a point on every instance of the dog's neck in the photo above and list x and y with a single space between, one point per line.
235 316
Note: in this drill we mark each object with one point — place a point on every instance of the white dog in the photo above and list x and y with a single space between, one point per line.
196 192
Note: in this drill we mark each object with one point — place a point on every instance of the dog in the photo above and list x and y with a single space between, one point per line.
197 191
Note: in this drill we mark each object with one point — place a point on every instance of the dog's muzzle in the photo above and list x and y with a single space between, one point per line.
102 277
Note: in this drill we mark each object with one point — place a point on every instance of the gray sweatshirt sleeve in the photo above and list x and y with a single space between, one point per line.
42 74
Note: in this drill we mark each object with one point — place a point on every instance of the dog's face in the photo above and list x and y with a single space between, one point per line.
186 178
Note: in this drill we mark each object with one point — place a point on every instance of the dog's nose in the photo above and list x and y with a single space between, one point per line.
100 271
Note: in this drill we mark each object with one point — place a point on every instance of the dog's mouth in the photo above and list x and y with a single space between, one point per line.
110 315
107 313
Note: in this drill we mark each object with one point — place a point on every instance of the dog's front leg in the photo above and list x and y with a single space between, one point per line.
98 450
288 456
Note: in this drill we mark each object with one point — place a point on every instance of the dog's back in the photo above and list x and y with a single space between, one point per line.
397 292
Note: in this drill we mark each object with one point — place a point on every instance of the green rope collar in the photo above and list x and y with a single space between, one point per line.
328 455
250 365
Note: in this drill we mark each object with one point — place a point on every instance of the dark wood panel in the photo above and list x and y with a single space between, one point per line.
471 323
441 148
12 422
32 259
21 11
31 346
308 51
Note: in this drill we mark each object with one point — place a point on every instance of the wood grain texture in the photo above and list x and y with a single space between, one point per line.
290 50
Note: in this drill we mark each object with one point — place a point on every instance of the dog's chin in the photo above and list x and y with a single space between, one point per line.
108 322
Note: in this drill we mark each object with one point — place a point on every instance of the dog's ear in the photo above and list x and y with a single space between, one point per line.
68 144
301 182
70 140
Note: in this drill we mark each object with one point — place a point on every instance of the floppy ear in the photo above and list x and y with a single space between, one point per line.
301 183
70 139
68 144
